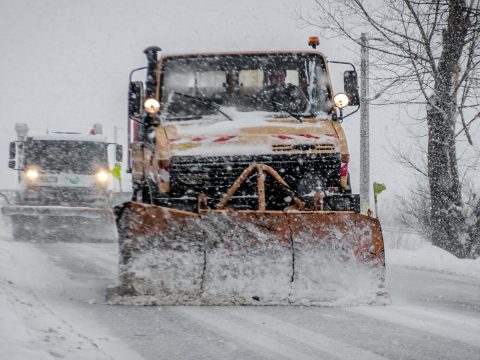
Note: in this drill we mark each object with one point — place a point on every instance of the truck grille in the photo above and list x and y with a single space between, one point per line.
57 195
214 175
303 147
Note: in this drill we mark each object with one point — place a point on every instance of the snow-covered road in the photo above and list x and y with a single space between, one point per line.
52 296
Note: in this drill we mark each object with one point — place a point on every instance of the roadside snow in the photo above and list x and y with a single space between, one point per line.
432 258
412 251
38 319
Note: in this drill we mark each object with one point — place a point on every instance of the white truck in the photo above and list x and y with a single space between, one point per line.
64 185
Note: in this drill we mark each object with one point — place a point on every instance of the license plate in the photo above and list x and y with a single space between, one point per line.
48 179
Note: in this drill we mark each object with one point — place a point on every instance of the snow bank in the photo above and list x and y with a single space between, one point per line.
432 258
410 249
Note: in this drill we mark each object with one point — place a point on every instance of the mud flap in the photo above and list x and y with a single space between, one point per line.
169 256
61 223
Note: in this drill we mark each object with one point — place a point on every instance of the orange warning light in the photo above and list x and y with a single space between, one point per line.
313 41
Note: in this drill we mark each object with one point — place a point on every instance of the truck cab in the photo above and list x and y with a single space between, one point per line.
65 169
200 119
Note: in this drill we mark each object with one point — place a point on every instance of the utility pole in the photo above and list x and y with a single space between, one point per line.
364 127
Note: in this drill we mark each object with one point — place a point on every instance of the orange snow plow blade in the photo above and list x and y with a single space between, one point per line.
257 257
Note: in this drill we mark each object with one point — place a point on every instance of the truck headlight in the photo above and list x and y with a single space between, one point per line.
102 176
151 105
31 174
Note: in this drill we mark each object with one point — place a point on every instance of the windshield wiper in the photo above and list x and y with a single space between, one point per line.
209 103
277 105
179 118
282 107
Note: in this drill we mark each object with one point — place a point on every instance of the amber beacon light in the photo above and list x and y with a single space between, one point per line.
313 41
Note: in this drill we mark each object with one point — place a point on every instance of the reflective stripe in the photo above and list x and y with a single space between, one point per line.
209 139
310 136
224 138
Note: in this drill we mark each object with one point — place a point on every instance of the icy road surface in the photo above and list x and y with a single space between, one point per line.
51 296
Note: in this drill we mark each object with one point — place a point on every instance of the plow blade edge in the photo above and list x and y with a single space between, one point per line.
61 223
168 257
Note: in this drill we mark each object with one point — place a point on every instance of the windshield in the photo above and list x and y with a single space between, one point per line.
78 157
277 83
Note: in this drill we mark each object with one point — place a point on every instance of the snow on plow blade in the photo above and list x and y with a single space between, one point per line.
61 223
219 257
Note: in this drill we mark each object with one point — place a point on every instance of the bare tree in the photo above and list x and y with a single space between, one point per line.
424 52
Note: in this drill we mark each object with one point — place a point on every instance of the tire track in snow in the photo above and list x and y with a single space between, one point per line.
309 338
264 331
449 319
454 327
272 345
48 333
47 322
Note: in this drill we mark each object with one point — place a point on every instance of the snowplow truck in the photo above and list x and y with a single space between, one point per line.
241 192
64 186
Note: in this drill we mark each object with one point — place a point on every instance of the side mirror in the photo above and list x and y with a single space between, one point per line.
12 152
135 97
350 86
119 153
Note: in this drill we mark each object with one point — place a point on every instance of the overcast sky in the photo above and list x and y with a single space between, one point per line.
65 63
